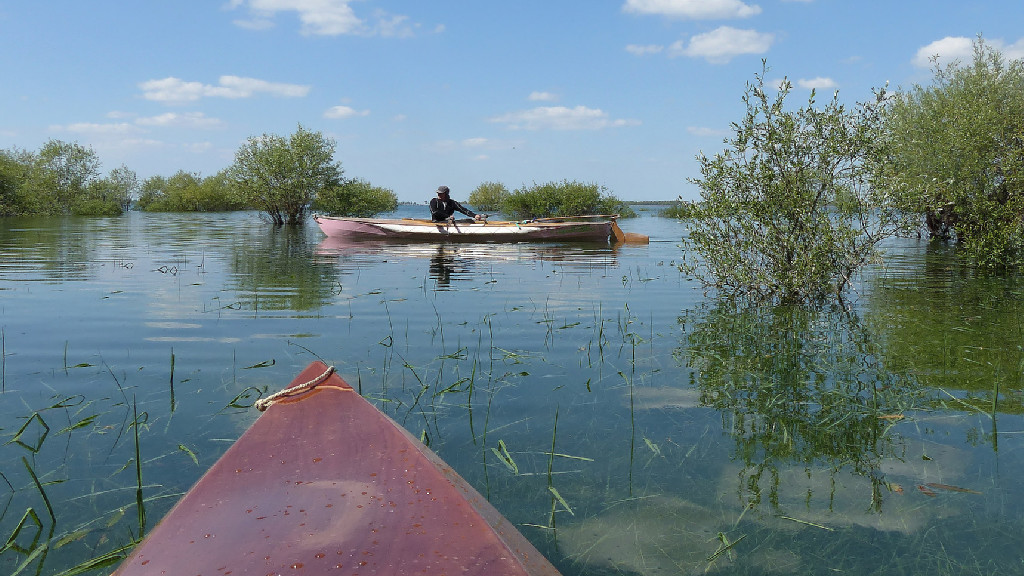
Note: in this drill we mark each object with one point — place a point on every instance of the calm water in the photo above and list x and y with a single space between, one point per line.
689 437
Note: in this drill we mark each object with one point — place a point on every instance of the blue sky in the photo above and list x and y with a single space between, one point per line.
416 93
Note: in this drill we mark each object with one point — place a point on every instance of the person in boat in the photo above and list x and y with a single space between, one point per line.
443 207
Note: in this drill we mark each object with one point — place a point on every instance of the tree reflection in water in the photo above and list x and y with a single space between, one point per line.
271 271
798 387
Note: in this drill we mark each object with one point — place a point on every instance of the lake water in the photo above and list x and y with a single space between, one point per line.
624 420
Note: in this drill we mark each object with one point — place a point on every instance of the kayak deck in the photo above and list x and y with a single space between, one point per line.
324 483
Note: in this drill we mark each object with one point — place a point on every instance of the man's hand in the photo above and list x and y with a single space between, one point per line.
479 217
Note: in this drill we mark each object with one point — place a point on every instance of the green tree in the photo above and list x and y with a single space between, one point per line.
958 155
562 199
177 193
15 167
281 176
355 197
218 193
488 196
788 212
63 173
151 192
190 192
125 185
101 198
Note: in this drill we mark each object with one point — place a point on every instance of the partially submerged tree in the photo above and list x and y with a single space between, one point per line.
61 178
788 211
281 176
958 155
125 184
488 196
563 199
355 197
190 192
15 166
62 174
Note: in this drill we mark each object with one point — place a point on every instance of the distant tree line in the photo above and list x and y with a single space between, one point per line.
282 177
62 178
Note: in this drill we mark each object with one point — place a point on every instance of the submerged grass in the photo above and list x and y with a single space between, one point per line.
748 378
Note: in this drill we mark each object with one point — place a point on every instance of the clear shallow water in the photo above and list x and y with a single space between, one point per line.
689 437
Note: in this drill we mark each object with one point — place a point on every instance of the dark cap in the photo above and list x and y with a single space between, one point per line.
442 190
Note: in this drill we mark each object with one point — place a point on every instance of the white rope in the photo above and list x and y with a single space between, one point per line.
263 403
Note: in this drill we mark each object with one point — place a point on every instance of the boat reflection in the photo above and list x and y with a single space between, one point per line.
450 262
443 266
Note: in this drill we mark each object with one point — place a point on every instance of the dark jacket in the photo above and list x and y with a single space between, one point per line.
441 210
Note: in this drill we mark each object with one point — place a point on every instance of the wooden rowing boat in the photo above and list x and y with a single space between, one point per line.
324 483
600 229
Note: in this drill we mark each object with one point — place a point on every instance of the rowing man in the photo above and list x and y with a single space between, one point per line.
443 207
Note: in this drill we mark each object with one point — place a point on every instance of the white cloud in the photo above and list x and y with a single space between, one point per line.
543 97
139 125
341 112
255 24
176 90
723 44
947 49
318 17
198 147
705 132
394 26
92 128
188 120
693 9
561 118
1014 51
638 50
136 143
961 48
818 83
474 142
322 18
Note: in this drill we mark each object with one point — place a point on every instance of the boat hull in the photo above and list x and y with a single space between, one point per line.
414 229
324 483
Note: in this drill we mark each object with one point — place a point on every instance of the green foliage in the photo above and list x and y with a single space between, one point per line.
101 198
799 385
682 210
62 178
562 199
188 192
355 198
125 184
59 177
771 226
281 176
954 330
488 196
14 169
958 155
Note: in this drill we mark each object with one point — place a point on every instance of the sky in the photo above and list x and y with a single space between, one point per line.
620 93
